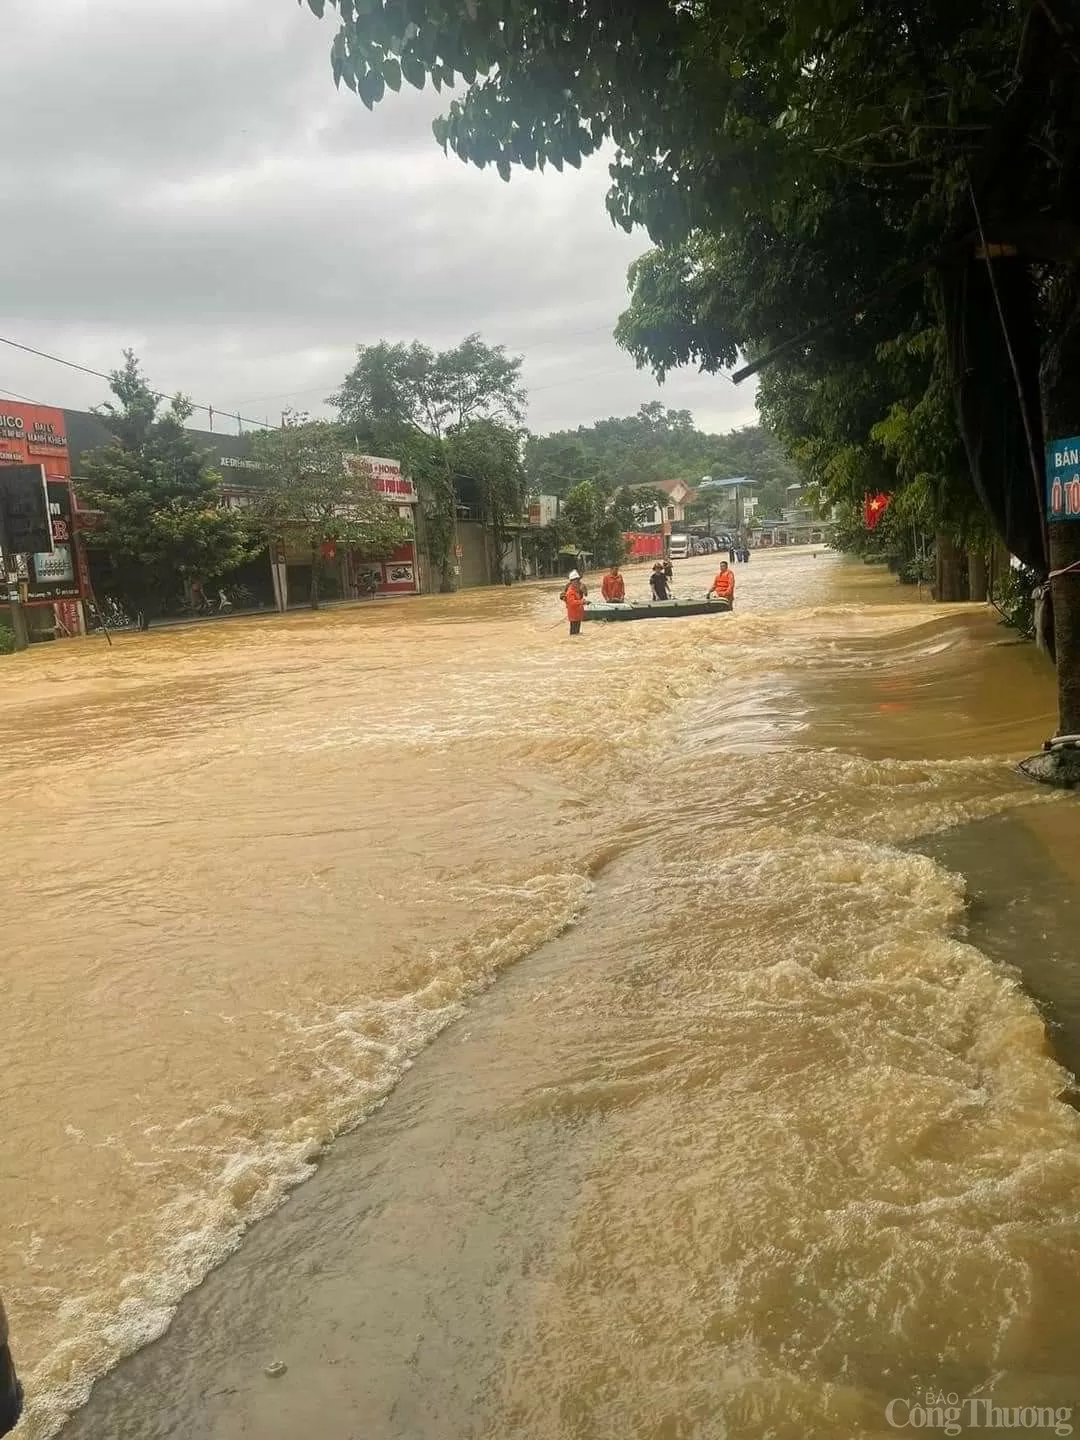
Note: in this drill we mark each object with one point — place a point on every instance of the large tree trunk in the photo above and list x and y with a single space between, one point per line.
978 576
952 580
1061 419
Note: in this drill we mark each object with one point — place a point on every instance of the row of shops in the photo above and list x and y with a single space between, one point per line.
55 585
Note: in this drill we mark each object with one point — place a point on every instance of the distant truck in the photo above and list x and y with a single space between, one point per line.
679 547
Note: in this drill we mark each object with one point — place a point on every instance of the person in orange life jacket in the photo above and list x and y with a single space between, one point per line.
613 587
658 582
723 587
573 597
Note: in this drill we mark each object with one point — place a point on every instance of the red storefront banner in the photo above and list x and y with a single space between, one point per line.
643 547
34 435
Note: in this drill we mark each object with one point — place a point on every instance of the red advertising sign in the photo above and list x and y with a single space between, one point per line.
34 435
396 576
37 435
643 547
385 477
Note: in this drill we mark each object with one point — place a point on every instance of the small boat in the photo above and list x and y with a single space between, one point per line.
655 609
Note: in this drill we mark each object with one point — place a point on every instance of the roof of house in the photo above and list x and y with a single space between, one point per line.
669 487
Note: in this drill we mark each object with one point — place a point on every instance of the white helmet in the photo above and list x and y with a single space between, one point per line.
573 575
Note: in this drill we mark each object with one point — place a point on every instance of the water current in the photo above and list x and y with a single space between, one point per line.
254 869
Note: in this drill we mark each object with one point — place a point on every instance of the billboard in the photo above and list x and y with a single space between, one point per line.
54 574
34 434
34 438
386 477
543 510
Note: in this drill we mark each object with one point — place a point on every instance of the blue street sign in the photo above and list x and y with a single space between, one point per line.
1063 479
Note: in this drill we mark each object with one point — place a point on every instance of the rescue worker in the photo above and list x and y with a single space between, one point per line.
573 597
723 587
613 587
11 1395
658 582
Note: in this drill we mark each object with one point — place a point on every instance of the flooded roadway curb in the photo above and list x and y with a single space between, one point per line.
1024 907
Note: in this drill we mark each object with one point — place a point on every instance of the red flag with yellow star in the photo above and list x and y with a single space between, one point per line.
874 507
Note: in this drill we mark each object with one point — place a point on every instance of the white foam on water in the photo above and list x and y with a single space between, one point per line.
357 1055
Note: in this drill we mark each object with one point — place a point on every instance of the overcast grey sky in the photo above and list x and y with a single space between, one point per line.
180 176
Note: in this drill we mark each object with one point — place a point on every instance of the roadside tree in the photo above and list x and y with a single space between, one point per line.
165 526
310 501
411 401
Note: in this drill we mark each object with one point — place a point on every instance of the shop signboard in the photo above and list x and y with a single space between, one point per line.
395 576
1063 480
543 510
385 477
33 439
54 574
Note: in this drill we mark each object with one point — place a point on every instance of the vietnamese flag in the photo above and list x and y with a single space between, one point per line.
874 507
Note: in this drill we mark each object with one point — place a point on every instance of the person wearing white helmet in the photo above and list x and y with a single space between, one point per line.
573 597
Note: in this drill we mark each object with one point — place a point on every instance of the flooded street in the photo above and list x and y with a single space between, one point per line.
783 1137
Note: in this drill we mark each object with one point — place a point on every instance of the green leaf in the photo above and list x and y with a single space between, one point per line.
503 167
317 7
413 70
369 87
391 73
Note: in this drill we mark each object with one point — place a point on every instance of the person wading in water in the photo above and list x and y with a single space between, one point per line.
659 583
613 587
573 597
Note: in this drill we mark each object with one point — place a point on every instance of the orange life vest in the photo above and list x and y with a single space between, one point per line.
574 601
613 588
724 585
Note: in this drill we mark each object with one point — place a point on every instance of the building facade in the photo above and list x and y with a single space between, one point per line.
52 584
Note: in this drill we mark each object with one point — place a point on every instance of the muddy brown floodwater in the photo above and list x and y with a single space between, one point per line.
761 1133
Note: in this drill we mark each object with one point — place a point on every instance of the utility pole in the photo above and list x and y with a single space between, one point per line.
11 575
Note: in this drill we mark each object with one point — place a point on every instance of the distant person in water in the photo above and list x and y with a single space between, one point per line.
613 587
669 570
658 583
723 587
731 555
745 556
573 597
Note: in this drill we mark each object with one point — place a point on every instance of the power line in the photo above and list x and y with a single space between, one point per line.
14 395
299 394
101 375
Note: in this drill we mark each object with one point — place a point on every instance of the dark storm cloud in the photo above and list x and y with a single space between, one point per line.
189 182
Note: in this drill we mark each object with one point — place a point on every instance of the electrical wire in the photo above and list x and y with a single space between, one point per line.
212 410
102 375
